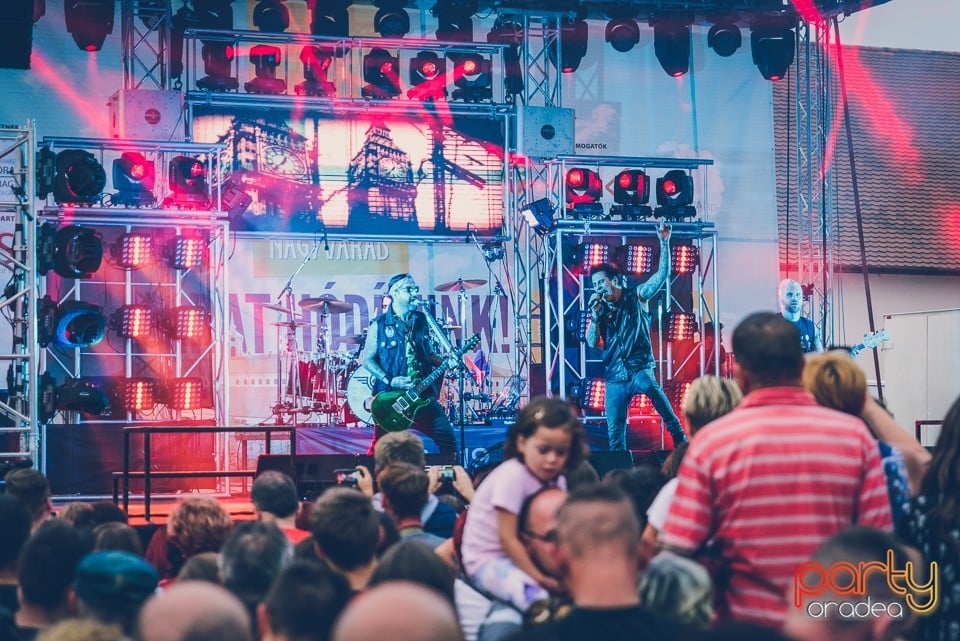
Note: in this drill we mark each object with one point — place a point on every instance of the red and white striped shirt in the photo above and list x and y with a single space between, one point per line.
772 480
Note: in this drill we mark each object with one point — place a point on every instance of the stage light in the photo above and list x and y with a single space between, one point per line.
455 19
78 252
46 321
80 177
132 251
675 195
82 395
271 16
772 44
381 72
133 321
631 191
584 189
671 43
46 248
187 252
724 38
186 394
190 322
472 77
134 178
677 392
622 32
573 44
330 18
684 259
637 259
89 22
46 172
640 405
508 30
427 74
539 216
46 398
79 324
681 326
316 65
265 60
218 65
576 323
589 393
391 19
137 394
188 182
593 254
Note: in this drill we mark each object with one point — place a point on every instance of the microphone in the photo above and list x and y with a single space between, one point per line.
417 302
468 235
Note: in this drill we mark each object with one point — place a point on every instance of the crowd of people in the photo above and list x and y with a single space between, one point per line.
798 510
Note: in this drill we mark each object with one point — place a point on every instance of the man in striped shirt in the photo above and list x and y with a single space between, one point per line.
765 485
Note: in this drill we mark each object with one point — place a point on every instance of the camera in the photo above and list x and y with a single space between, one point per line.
447 475
348 477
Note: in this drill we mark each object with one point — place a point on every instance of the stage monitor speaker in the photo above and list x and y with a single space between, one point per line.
315 472
604 462
545 132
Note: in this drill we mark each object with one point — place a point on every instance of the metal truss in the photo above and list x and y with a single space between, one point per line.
814 182
145 35
19 409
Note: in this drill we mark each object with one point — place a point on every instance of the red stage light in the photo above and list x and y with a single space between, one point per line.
593 254
191 322
138 394
132 251
197 169
470 66
638 259
684 258
625 179
187 252
669 187
186 394
575 178
681 326
133 321
429 70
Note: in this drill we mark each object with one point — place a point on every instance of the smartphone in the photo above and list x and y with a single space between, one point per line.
348 477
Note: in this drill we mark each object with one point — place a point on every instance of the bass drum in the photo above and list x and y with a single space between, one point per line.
359 394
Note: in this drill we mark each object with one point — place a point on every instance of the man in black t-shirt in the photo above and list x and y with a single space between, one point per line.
790 297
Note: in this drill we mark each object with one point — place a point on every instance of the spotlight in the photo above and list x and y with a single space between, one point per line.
677 392
539 216
675 195
271 16
583 189
89 22
78 252
455 19
637 259
80 177
132 251
218 65
640 405
188 182
573 44
190 322
381 72
133 321
681 326
265 60
134 177
724 38
472 77
589 393
508 30
186 394
46 248
187 252
684 259
46 398
593 254
82 395
622 32
316 65
671 43
391 20
79 324
137 394
46 172
330 18
631 191
576 324
772 44
428 80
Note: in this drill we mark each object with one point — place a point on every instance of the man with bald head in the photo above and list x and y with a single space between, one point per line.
790 297
399 611
194 611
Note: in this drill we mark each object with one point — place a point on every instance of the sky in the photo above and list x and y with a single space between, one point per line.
905 24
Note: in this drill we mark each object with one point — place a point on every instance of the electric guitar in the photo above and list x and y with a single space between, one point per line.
395 411
871 341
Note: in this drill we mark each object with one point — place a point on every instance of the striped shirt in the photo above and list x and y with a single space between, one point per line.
770 482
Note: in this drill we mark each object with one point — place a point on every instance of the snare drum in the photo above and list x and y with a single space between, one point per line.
360 393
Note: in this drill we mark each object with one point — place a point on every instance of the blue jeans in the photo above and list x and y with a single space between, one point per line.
618 399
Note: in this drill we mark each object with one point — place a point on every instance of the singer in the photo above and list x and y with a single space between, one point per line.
620 324
398 352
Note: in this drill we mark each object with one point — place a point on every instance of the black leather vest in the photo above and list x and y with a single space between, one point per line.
391 347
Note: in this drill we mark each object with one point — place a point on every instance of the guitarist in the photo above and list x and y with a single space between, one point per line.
398 353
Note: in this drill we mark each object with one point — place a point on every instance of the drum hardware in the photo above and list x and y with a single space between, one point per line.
459 285
277 308
326 304
291 323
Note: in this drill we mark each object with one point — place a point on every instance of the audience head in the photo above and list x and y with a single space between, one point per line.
405 490
399 611
582 474
16 521
836 381
198 524
709 398
549 425
417 562
251 558
275 493
107 512
345 527
201 567
77 514
389 533
31 487
640 485
398 447
537 527
594 518
943 475
194 611
48 564
767 352
82 630
303 603
117 536
112 586
679 589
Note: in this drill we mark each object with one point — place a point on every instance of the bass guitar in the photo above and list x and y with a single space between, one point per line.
395 410
870 340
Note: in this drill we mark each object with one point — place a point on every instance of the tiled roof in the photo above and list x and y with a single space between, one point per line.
905 116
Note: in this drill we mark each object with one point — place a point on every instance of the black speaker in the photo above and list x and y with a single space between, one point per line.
656 458
315 472
604 462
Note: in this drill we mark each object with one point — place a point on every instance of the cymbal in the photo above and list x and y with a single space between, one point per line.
276 308
455 285
293 323
327 304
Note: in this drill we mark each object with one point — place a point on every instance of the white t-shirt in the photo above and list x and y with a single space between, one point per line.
660 506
